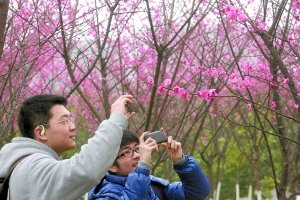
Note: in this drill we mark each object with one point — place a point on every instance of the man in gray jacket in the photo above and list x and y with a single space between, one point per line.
48 130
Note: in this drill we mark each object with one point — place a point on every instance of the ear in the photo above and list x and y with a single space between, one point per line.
40 133
113 169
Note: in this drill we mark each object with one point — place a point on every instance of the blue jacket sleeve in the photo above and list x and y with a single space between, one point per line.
194 183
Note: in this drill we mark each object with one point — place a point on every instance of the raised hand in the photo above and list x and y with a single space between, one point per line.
174 149
146 148
120 105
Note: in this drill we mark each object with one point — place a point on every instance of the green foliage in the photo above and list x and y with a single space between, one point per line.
236 170
267 185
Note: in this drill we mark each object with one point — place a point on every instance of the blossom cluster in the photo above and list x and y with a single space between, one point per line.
234 13
206 94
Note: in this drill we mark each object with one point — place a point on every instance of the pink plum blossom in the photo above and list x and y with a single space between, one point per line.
251 29
249 106
183 93
273 84
261 26
234 78
277 42
206 94
247 83
167 82
150 81
248 68
290 38
213 72
198 68
269 76
176 89
222 72
273 105
231 11
296 4
212 92
161 89
242 17
262 67
202 93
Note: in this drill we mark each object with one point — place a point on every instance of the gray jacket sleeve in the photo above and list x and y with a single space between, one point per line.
44 177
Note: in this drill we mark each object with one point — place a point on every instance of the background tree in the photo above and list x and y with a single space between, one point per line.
222 77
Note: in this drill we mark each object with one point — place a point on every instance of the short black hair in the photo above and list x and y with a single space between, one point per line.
128 138
36 111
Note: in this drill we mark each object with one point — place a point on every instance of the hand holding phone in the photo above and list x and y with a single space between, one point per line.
133 106
158 136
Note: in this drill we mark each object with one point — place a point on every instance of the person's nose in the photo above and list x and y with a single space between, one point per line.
136 155
72 126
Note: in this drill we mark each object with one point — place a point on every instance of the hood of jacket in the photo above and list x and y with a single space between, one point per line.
18 148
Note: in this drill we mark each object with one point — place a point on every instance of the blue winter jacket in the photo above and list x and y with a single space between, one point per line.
137 185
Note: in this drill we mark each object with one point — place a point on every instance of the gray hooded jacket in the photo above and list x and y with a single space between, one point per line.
41 175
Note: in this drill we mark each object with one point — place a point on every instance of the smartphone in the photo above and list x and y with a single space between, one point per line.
158 136
133 107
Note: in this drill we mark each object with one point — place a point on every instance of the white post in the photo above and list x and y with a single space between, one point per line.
258 194
218 190
250 191
237 191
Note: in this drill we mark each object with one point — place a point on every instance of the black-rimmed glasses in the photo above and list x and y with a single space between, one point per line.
129 152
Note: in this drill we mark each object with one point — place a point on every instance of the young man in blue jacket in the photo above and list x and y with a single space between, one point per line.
129 177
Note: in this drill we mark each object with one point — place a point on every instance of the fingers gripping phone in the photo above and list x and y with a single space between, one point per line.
133 107
158 136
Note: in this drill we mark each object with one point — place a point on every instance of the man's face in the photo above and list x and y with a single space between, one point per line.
127 159
60 132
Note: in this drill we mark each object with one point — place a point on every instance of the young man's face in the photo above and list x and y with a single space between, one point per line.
128 159
60 132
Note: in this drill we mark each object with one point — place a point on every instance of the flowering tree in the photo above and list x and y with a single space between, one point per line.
222 76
